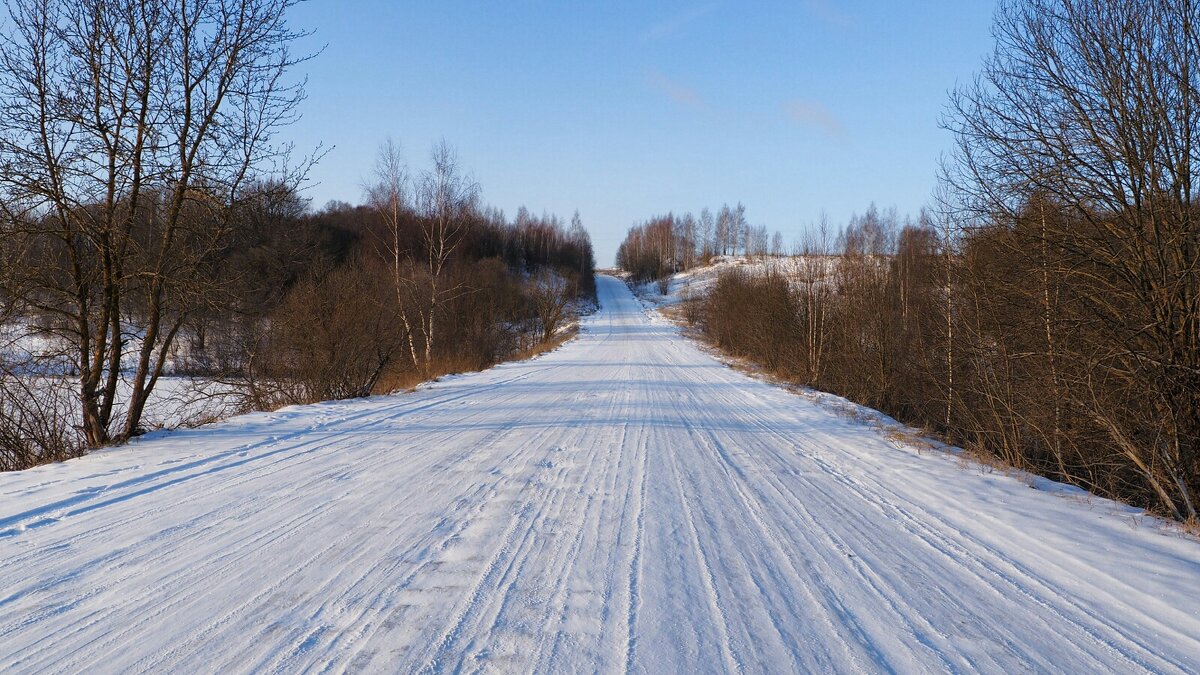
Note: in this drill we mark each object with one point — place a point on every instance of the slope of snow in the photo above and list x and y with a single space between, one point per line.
625 503
697 281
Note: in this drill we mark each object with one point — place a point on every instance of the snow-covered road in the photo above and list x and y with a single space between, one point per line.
626 503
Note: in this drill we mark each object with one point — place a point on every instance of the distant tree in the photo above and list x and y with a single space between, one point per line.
723 230
706 233
739 230
757 241
585 257
687 241
815 291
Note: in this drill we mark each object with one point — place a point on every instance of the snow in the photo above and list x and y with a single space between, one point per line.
174 401
625 503
697 281
44 363
23 342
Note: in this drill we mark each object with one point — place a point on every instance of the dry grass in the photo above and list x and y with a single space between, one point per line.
408 380
550 345
986 462
1191 527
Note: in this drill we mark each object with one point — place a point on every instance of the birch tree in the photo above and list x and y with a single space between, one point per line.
446 200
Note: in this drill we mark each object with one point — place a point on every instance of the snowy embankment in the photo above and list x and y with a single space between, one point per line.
626 503
697 281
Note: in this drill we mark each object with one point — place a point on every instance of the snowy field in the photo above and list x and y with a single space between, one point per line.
176 400
625 503
698 281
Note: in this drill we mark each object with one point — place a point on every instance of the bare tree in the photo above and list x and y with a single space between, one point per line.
128 129
388 195
706 233
443 203
739 230
552 294
687 241
447 200
945 214
724 227
578 236
815 289
333 337
1091 107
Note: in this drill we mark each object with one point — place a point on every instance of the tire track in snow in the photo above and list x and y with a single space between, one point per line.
498 601
467 508
146 617
700 521
957 551
829 552
797 582
633 598
725 643
789 500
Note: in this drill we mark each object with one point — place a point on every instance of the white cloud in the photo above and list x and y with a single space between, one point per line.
677 92
814 113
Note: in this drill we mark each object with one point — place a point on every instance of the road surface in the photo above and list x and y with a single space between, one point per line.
626 503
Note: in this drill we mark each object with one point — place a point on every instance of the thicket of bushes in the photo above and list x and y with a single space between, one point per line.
994 343
1049 313
664 245
295 306
147 230
355 310
856 321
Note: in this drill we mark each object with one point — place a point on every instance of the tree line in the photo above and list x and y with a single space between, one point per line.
1046 310
664 245
152 224
426 279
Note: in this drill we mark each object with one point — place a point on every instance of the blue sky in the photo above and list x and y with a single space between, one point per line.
625 109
